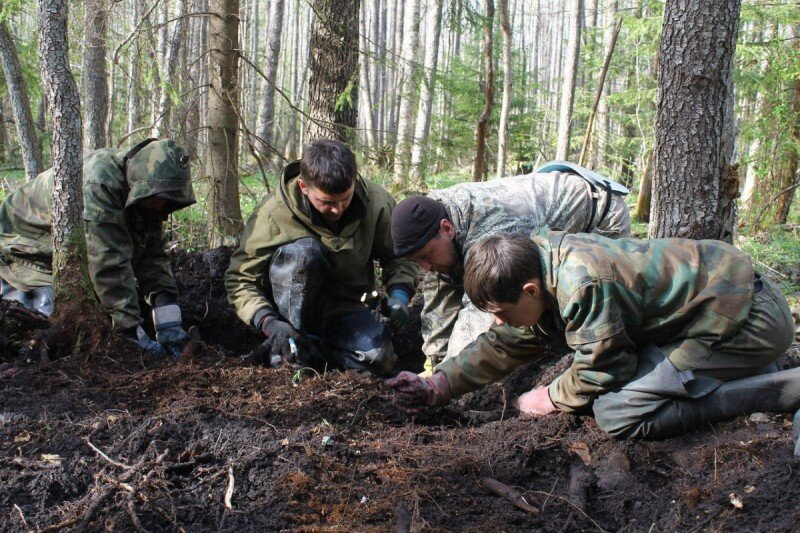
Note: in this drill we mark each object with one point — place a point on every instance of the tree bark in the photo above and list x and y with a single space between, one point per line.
789 175
570 76
694 185
266 117
20 104
223 101
505 109
423 126
479 169
95 74
406 92
169 79
73 292
333 65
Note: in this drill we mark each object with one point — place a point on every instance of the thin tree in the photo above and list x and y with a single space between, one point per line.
94 75
406 92
570 77
694 185
266 116
223 138
333 66
479 168
20 104
71 282
505 108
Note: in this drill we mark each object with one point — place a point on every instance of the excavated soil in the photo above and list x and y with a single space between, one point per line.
120 442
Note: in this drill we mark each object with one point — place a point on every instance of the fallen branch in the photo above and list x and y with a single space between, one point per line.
509 493
22 517
229 490
99 452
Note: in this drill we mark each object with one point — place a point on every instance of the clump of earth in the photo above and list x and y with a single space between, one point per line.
116 441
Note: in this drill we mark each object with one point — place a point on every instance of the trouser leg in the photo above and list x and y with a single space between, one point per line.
356 339
9 292
297 274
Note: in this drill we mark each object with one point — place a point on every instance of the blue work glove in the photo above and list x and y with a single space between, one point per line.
149 345
169 333
398 308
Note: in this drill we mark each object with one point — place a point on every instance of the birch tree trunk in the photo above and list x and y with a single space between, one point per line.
505 109
266 116
479 169
169 78
570 76
20 104
223 101
366 115
132 112
73 292
95 74
423 126
333 64
406 90
694 185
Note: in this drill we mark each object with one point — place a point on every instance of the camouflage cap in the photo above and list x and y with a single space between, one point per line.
160 168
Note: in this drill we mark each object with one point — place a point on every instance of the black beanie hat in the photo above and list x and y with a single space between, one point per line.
415 221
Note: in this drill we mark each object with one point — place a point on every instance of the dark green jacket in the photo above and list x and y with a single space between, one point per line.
284 217
608 298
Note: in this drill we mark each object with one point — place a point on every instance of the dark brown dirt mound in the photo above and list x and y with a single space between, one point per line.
121 442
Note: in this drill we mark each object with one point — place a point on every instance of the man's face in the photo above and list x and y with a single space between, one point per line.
330 206
526 311
438 254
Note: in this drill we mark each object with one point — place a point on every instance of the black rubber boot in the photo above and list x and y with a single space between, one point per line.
778 392
297 274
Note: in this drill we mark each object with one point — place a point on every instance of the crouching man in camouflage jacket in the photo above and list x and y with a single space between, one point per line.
127 194
667 335
438 231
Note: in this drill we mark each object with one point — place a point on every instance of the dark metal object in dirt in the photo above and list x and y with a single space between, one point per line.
377 303
509 493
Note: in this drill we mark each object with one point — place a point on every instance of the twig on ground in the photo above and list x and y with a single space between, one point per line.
509 493
229 490
134 517
589 518
119 484
99 452
22 517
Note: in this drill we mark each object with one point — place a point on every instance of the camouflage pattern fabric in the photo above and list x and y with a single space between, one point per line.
285 216
518 204
610 297
124 247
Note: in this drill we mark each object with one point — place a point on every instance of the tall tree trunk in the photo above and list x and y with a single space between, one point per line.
406 92
423 125
290 149
365 100
134 100
333 64
479 169
570 76
223 102
505 109
266 117
694 185
3 136
71 284
95 74
169 79
789 176
20 103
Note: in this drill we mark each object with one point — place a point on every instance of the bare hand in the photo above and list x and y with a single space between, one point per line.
536 402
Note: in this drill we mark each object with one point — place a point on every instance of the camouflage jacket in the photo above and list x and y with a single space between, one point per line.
285 216
517 204
124 248
609 297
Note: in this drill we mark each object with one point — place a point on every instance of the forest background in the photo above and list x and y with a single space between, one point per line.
429 92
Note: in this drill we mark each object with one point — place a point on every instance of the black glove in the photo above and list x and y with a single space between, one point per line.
287 345
398 308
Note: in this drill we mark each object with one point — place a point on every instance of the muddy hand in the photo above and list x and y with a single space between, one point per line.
411 392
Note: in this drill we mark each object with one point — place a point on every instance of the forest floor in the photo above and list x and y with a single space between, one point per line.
118 442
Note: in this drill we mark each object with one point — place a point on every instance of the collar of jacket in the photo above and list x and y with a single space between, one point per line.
294 199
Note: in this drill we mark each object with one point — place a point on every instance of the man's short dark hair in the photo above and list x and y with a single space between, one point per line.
497 268
329 166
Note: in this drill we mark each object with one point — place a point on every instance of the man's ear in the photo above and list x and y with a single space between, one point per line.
303 186
447 228
533 287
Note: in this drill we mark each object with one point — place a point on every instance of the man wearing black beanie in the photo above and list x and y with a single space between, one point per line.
438 230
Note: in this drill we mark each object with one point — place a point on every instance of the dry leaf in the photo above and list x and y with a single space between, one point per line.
582 450
22 437
51 458
736 500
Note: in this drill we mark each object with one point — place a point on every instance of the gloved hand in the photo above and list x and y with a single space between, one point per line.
287 345
167 321
143 340
398 308
414 393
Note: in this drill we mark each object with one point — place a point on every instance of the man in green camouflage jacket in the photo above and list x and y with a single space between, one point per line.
127 194
438 231
306 258
667 334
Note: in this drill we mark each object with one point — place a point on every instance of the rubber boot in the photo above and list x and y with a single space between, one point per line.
297 275
778 392
43 300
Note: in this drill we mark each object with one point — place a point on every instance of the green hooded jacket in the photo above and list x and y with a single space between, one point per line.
284 217
124 247
607 299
